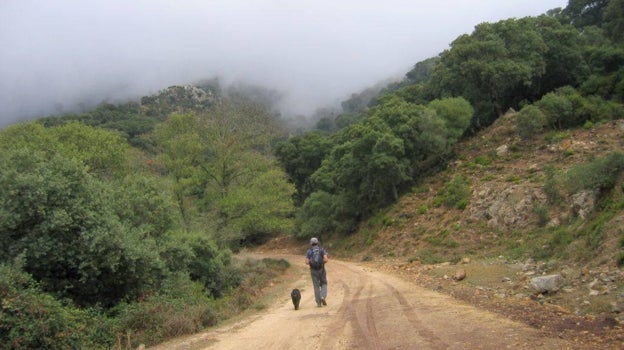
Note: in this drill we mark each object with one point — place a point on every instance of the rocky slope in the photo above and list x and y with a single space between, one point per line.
512 244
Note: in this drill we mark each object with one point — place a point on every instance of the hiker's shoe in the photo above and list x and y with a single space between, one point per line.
323 302
319 305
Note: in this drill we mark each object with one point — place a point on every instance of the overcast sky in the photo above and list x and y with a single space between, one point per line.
56 55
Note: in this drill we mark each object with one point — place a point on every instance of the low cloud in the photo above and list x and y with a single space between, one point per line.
67 55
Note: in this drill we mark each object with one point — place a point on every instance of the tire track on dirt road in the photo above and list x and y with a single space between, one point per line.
367 309
435 342
353 323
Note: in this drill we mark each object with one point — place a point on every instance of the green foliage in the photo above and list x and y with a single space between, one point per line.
613 20
529 121
180 307
260 209
146 204
456 112
455 193
584 13
558 110
564 108
127 119
103 152
220 164
57 216
599 174
492 65
33 319
552 186
375 160
211 266
301 156
346 119
315 217
369 165
421 72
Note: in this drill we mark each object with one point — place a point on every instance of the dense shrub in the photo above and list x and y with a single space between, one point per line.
180 307
455 194
558 110
529 121
599 174
315 218
33 319
212 267
552 186
60 219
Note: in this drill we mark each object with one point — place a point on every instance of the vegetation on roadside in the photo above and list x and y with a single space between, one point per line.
105 244
118 224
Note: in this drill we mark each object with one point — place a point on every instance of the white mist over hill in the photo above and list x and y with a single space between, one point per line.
66 55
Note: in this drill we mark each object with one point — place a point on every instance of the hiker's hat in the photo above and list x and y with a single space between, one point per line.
314 241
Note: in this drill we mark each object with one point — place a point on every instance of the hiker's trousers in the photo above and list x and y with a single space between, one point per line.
319 281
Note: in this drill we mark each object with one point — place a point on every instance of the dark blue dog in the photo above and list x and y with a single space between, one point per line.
295 295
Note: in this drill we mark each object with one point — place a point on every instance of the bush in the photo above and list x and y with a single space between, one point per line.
212 267
557 109
61 219
603 110
315 217
180 307
455 193
551 186
32 319
599 174
529 121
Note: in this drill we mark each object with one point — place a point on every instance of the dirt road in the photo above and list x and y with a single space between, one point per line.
368 309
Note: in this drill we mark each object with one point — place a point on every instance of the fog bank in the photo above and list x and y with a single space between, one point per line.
64 55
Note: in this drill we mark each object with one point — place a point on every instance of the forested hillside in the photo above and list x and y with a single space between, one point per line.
561 70
121 221
118 224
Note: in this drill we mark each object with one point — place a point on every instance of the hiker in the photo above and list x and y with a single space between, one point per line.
317 257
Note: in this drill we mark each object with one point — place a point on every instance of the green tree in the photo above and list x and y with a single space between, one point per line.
105 153
529 121
456 112
180 154
259 209
301 156
583 13
421 72
558 111
146 203
369 164
502 64
216 158
565 61
59 219
33 319
613 17
317 217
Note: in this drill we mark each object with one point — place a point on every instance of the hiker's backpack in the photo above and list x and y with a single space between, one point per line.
316 261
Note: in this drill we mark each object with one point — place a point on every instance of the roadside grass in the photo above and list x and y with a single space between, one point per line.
158 319
259 274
